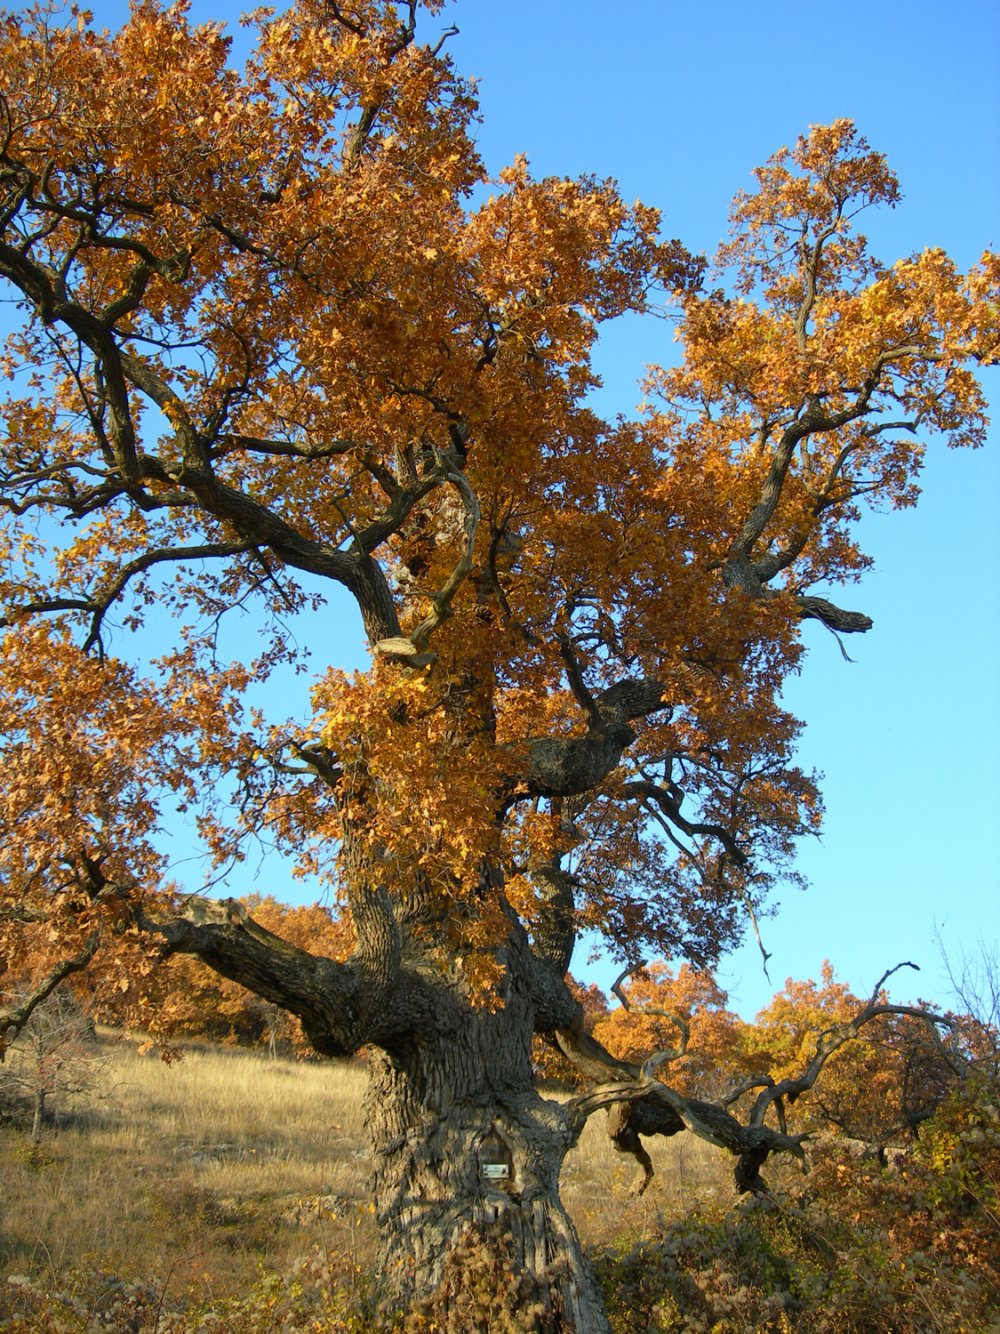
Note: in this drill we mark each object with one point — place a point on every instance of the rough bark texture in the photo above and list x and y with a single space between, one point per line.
434 1110
447 1079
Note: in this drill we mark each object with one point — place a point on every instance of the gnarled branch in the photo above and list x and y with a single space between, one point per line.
650 1107
329 998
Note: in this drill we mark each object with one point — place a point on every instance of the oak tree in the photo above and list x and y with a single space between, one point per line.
278 338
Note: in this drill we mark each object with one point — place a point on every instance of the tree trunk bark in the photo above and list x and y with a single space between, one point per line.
475 1242
38 1119
467 1162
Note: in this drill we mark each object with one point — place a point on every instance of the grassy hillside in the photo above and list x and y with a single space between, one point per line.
226 1194
195 1178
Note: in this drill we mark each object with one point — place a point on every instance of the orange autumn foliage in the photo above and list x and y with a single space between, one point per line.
193 1002
280 346
877 1087
714 1056
279 335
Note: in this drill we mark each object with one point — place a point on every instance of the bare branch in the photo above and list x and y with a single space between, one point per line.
14 1018
836 1036
651 1107
887 974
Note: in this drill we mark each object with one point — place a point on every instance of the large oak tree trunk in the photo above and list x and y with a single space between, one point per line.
467 1162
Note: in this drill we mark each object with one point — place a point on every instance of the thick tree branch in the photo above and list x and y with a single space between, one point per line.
656 1109
570 766
260 526
554 934
328 997
835 618
739 571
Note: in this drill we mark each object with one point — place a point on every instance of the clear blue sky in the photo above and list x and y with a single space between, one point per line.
679 102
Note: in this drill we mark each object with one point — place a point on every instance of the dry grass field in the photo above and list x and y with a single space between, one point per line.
199 1177
227 1194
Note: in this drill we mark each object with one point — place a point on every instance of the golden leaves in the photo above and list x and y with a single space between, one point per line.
281 271
806 196
420 779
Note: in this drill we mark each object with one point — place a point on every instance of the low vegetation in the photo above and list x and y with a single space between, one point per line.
180 1189
228 1192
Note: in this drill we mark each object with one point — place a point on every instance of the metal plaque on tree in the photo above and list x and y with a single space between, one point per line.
496 1162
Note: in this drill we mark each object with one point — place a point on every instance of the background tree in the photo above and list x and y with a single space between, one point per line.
278 341
880 1088
665 1009
55 1057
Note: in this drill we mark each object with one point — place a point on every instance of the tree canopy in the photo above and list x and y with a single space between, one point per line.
279 336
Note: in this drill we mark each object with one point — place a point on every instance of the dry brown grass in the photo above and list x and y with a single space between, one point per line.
195 1177
199 1176
596 1180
